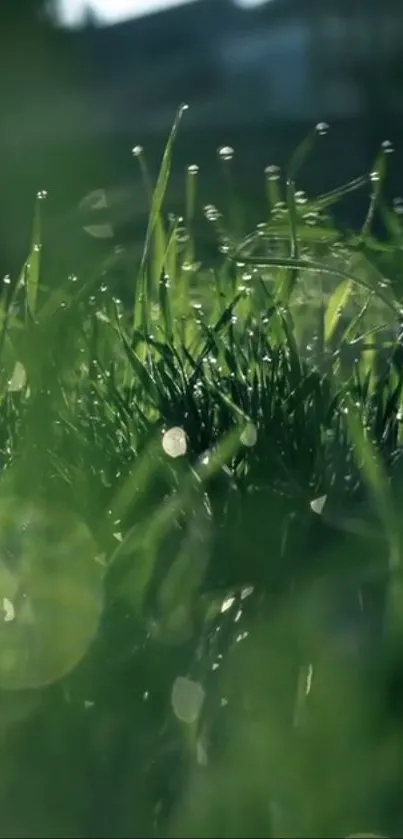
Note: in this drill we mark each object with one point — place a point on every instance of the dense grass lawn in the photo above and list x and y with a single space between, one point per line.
200 511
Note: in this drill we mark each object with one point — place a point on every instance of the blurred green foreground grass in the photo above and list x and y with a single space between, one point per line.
200 568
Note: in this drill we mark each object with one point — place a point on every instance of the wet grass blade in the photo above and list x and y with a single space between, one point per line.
144 290
31 271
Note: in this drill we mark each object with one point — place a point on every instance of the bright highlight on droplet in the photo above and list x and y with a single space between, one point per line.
226 152
249 435
8 609
211 213
187 699
227 603
174 442
318 504
18 379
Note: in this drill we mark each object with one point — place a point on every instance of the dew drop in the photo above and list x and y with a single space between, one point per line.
322 128
42 194
318 504
375 176
398 205
279 209
227 603
7 279
174 442
137 151
188 266
249 435
193 169
226 152
272 172
311 218
8 609
300 197
18 379
187 699
387 147
211 213
181 235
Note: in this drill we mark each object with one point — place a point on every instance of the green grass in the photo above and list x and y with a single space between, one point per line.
262 564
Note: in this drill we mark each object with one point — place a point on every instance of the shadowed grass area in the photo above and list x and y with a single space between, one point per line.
201 534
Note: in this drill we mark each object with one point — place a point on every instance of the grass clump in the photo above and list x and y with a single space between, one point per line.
200 568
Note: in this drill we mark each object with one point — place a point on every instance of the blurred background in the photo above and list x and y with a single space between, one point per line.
83 81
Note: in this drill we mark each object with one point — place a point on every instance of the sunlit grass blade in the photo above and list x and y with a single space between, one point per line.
144 291
31 271
335 308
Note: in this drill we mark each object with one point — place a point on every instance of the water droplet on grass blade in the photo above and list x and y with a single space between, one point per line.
8 609
248 437
211 213
300 197
226 152
322 128
193 169
227 603
18 379
181 235
272 172
318 504
187 699
174 442
137 151
387 147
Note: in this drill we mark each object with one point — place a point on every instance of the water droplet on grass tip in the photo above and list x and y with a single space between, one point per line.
137 151
272 172
211 213
387 147
226 152
322 128
193 169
